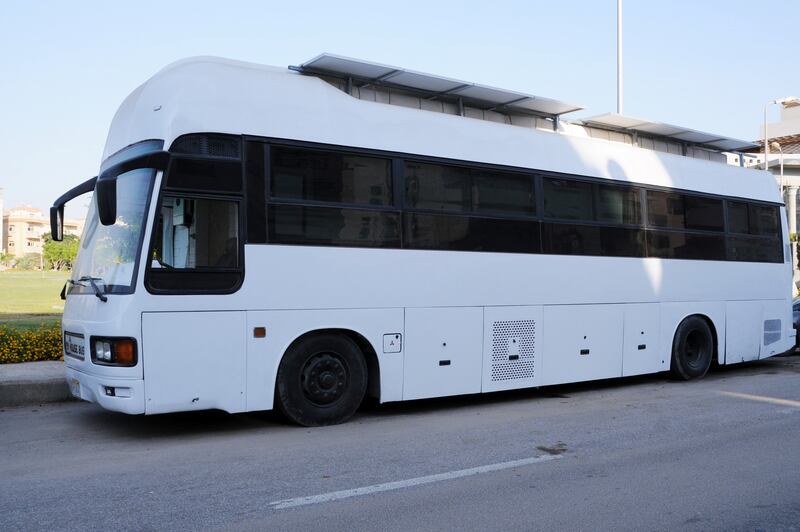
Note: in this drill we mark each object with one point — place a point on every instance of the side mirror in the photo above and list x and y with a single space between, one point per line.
106 196
57 223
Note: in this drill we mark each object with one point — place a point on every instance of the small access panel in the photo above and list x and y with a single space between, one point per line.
442 352
512 338
641 353
582 343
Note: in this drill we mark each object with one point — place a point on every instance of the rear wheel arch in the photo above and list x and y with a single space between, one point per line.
694 347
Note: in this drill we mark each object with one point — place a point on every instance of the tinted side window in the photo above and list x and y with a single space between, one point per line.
314 175
678 245
467 233
463 189
438 187
568 200
617 205
205 175
764 220
254 171
331 226
737 217
569 239
703 213
665 209
503 193
754 249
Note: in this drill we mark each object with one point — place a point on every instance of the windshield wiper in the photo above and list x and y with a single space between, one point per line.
97 292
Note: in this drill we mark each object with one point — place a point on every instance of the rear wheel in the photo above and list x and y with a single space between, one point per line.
692 349
322 380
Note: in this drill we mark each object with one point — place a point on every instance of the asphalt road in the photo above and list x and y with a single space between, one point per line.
642 453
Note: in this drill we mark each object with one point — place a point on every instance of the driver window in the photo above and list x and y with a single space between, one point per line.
196 234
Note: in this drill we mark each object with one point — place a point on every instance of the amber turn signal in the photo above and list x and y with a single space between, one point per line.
124 352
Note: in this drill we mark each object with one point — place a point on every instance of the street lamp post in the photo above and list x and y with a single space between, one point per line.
619 57
777 146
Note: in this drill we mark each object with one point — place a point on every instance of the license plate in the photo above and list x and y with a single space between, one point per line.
74 345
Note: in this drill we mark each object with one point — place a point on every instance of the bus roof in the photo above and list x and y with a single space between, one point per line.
208 94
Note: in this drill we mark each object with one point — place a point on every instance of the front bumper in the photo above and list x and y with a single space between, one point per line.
128 394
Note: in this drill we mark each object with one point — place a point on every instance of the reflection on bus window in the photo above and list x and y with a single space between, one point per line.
197 233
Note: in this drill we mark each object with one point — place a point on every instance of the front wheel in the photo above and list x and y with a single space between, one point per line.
322 380
692 349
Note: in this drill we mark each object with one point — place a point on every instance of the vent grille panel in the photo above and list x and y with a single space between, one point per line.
772 331
209 145
513 350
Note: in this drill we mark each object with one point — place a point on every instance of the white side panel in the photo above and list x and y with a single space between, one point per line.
512 346
443 352
193 361
582 342
284 326
744 329
640 349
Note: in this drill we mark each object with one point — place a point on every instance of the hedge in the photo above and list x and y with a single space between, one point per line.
28 345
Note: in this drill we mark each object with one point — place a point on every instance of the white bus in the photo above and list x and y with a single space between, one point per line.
259 239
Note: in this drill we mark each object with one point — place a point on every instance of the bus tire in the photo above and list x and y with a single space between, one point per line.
692 349
322 380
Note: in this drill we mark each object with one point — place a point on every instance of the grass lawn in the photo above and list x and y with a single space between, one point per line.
28 299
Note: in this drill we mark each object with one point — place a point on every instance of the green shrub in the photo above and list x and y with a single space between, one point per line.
28 345
30 261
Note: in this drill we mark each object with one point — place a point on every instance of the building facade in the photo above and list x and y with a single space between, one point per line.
24 227
2 225
784 159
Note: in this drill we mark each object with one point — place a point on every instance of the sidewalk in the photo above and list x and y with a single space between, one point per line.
33 383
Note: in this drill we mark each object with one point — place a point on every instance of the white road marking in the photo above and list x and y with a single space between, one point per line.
376 488
763 399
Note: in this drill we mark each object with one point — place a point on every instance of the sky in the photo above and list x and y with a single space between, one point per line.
65 67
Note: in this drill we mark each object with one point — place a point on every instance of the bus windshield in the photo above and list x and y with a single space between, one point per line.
108 253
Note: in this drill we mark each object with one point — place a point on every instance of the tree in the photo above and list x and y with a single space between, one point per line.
60 255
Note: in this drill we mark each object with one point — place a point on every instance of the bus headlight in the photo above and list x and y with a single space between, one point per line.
114 351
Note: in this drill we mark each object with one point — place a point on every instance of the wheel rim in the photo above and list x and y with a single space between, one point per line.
324 379
695 348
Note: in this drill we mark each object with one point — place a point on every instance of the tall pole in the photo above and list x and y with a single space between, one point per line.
766 140
619 57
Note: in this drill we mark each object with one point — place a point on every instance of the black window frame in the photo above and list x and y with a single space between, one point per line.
210 280
399 184
271 198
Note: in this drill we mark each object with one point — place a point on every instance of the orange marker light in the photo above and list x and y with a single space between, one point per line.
124 352
259 332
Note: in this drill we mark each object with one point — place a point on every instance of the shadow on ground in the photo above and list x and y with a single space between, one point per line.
214 422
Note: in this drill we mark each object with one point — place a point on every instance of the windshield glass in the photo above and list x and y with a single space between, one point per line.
109 253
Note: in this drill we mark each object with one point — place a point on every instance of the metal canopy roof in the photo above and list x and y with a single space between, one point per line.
629 124
433 87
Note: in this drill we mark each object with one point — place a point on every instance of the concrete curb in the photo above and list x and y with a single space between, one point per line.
33 383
